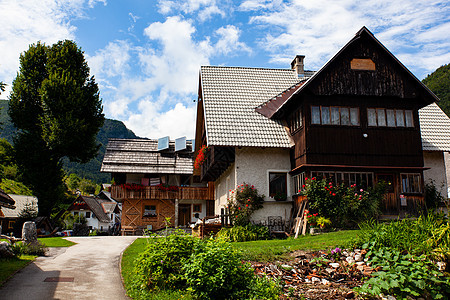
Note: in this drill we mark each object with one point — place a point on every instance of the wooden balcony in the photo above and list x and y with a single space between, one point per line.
218 159
152 192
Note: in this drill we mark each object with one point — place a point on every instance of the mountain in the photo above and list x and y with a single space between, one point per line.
89 170
439 83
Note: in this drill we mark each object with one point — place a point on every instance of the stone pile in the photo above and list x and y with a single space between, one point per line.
318 275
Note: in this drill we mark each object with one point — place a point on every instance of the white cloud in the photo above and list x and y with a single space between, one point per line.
112 60
229 40
25 22
151 122
205 9
320 28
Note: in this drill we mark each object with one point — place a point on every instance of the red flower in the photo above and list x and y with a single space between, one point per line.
306 178
239 208
334 194
246 205
303 186
314 178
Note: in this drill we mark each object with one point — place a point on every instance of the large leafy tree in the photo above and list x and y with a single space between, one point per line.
439 83
55 105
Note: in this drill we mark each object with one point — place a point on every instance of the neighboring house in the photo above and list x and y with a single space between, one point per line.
100 214
355 121
6 202
153 181
9 216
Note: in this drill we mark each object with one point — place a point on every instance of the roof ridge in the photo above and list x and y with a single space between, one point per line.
252 68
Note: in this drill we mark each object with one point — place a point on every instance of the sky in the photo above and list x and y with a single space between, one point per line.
146 54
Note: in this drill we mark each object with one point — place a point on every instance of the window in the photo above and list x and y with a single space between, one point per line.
197 208
149 211
361 179
411 183
382 117
296 120
297 183
75 213
11 224
88 214
335 115
277 185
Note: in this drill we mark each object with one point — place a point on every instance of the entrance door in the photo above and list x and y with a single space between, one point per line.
184 214
390 202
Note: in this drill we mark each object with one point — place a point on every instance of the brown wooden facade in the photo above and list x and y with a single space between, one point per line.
363 75
134 202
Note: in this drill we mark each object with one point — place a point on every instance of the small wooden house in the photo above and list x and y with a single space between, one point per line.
155 185
354 121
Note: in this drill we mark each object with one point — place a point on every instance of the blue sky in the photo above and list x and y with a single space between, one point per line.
146 55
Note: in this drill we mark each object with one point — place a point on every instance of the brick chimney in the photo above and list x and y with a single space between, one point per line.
298 66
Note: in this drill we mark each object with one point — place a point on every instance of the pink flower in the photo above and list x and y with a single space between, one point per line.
361 190
356 194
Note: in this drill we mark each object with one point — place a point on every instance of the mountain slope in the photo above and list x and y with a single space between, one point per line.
439 83
90 170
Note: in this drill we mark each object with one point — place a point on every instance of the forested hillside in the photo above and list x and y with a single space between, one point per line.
90 170
439 83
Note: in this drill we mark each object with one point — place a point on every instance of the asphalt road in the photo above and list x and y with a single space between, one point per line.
87 270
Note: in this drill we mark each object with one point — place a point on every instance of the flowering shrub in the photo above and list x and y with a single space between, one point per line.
167 188
336 253
340 204
244 200
201 157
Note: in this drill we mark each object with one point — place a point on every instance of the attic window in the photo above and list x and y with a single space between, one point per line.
296 120
382 117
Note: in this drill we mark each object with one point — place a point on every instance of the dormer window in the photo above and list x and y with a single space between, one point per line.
335 115
381 117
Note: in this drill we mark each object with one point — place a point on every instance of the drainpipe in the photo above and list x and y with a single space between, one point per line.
176 213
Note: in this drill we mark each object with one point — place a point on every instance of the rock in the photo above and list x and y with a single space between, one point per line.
357 250
441 265
359 263
29 232
286 267
350 260
334 265
330 270
315 279
350 295
324 281
360 268
358 257
6 250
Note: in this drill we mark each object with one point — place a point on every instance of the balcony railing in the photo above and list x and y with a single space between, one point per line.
152 192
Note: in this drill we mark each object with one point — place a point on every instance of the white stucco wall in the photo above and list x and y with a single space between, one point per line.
437 172
222 186
252 166
201 214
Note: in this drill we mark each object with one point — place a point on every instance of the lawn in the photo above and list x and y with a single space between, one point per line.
56 242
271 250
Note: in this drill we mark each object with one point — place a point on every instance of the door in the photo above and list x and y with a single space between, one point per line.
390 202
184 214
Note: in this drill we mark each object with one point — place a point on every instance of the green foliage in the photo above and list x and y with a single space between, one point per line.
29 212
439 83
415 236
404 275
14 187
56 106
244 200
343 205
160 265
432 195
245 233
37 248
217 272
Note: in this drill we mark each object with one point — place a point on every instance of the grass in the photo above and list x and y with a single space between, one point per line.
271 250
56 242
9 266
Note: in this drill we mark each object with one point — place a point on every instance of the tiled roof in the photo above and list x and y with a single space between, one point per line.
230 96
142 156
96 206
6 200
21 202
434 128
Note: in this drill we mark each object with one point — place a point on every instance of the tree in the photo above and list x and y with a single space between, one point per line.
2 86
439 83
55 104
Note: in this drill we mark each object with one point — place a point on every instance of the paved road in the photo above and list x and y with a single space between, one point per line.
88 270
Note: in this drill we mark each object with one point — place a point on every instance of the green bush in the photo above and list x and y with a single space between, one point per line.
244 200
343 205
404 275
217 272
432 195
21 248
246 233
160 265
